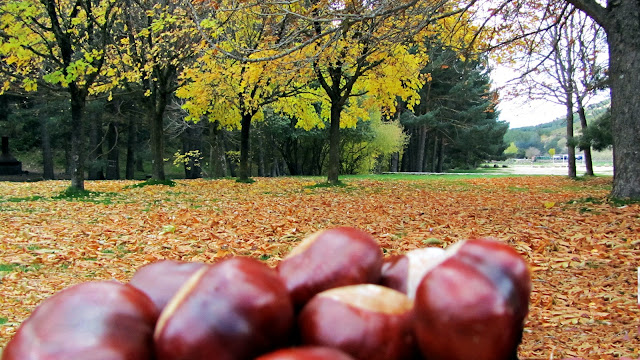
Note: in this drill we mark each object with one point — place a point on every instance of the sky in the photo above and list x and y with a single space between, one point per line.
524 112
520 112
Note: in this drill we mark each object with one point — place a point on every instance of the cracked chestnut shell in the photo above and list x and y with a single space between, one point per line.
366 321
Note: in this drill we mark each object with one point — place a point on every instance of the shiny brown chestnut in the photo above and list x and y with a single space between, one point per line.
366 321
90 321
330 258
160 280
404 272
306 353
235 309
473 304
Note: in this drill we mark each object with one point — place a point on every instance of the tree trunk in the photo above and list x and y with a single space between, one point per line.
583 124
624 70
78 147
192 143
245 127
395 158
571 149
95 168
225 147
434 155
334 143
440 166
47 153
113 155
222 156
425 161
420 149
130 167
261 156
621 21
156 127
217 158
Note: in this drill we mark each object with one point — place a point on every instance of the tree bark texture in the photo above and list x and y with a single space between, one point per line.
78 147
113 154
245 127
47 152
440 166
192 142
624 69
571 149
132 135
156 127
94 161
420 151
583 125
334 143
621 21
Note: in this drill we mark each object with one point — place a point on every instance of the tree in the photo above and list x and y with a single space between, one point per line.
232 91
532 152
157 41
344 42
565 67
455 117
61 44
598 134
366 61
511 150
621 21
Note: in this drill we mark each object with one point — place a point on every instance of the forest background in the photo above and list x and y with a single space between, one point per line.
183 84
126 89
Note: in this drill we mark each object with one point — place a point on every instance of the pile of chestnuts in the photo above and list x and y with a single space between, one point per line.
333 297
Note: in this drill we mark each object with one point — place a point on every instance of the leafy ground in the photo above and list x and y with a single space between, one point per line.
583 251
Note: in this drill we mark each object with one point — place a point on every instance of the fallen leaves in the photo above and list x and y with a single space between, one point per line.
583 251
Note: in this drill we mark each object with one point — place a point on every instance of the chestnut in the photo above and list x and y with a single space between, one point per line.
91 321
160 280
488 254
306 353
473 304
330 258
404 272
235 309
366 321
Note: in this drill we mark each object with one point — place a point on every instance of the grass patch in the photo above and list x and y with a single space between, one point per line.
622 202
96 197
474 171
587 200
19 267
423 177
326 184
245 181
151 182
24 199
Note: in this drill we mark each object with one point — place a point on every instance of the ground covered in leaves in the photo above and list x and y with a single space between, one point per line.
583 250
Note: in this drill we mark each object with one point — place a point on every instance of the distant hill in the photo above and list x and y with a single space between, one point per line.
552 134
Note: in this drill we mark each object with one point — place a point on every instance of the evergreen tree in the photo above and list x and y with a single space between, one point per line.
455 123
